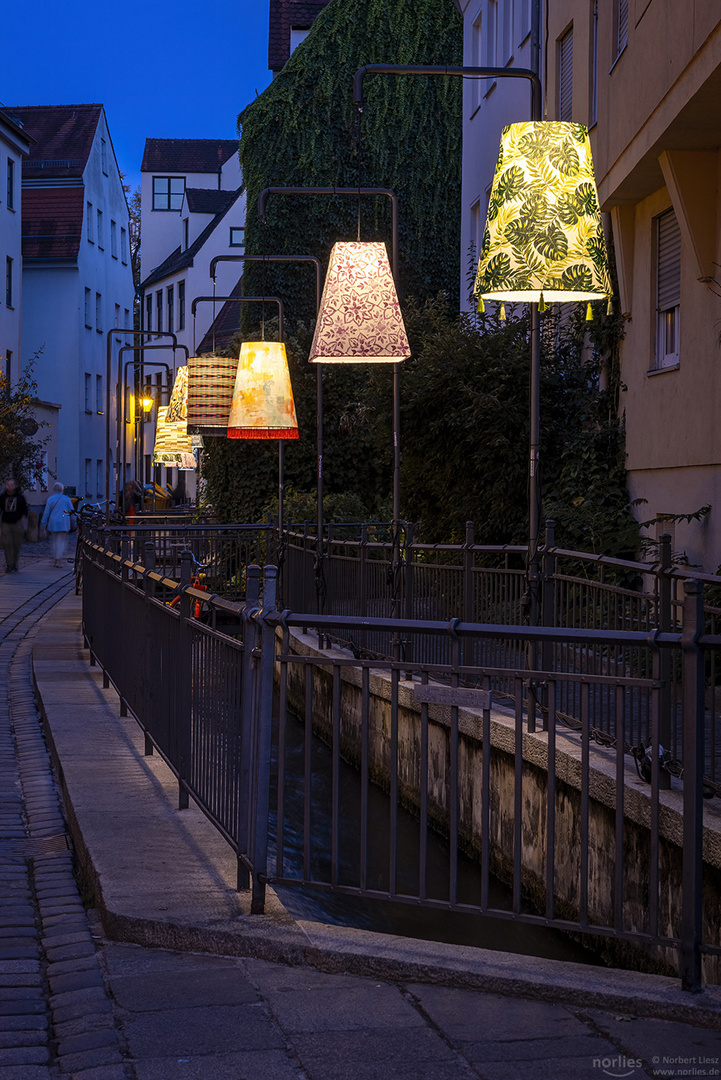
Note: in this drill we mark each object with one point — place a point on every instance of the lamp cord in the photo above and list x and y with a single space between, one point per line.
213 316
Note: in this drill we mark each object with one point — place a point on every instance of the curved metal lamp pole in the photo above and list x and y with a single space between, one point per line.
108 379
318 381
534 481
255 300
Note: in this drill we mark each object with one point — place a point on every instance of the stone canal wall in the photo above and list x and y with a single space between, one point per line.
601 856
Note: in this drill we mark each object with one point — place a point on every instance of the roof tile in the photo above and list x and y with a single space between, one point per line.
187 155
63 137
52 222
285 14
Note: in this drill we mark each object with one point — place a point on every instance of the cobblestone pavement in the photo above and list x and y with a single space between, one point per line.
73 1004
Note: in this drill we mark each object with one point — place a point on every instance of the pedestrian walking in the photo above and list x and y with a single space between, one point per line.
13 522
58 519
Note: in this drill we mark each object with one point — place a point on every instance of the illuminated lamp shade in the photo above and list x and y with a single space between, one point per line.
178 404
210 393
263 406
544 240
172 443
360 318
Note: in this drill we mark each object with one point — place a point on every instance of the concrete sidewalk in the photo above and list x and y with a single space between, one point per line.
194 986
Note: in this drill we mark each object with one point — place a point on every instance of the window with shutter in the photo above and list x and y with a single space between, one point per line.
668 289
621 26
565 76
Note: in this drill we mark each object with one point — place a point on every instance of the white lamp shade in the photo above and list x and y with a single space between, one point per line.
172 443
263 406
360 318
543 237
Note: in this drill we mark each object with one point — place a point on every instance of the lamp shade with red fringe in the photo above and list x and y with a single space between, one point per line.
263 406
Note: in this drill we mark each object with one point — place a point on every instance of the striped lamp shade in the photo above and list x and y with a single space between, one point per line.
263 406
211 380
172 443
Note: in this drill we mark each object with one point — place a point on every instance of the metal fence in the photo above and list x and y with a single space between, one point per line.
205 700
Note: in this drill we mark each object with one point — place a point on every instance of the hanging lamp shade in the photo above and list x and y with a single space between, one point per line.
172 443
178 404
211 380
360 318
263 406
544 240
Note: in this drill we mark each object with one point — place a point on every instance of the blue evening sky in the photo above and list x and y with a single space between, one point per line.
181 70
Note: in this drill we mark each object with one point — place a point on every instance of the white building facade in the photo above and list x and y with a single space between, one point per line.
77 282
15 144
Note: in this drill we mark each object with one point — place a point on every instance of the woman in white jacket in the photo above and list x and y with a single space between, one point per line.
56 520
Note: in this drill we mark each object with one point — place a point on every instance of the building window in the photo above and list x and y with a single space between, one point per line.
89 216
565 76
8 281
168 192
170 294
99 312
99 477
593 92
126 321
7 373
186 233
123 245
621 26
297 34
101 242
113 239
181 305
507 28
159 310
88 468
491 57
668 289
476 227
11 184
149 312
523 15
104 156
88 302
237 237
117 316
99 402
88 391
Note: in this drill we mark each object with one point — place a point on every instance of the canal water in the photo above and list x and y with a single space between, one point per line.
386 916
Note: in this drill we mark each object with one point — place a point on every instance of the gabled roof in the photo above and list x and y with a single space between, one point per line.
285 14
209 200
225 326
187 155
14 129
178 259
52 222
63 137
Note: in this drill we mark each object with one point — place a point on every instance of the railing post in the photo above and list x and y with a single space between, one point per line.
693 762
665 625
264 719
149 590
548 607
246 772
125 555
363 583
408 589
468 590
184 703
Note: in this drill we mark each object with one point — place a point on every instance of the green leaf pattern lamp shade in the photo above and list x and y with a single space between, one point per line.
172 443
360 319
544 240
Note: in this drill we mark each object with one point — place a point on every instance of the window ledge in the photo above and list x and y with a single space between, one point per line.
475 111
618 58
490 89
663 370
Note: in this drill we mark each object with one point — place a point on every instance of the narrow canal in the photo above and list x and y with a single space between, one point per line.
386 916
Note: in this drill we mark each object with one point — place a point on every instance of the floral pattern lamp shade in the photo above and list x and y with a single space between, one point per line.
263 406
172 443
360 318
544 240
